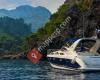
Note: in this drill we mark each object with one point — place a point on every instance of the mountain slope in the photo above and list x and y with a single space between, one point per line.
14 27
36 16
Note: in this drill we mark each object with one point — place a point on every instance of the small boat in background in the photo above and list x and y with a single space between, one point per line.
83 55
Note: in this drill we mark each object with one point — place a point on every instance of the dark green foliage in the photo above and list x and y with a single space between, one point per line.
28 43
14 27
43 33
6 37
55 20
12 32
6 41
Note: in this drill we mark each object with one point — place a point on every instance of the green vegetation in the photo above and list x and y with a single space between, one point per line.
12 33
43 33
14 27
6 37
16 31
83 5
57 18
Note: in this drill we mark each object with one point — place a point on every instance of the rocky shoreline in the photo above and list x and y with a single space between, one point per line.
13 56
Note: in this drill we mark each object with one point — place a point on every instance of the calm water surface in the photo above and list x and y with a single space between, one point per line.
24 70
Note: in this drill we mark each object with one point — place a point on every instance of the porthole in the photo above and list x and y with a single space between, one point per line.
53 58
60 60
49 58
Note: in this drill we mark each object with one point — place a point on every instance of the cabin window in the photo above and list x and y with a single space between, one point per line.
49 58
53 58
52 53
60 59
61 53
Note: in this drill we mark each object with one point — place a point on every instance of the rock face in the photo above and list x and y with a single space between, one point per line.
36 16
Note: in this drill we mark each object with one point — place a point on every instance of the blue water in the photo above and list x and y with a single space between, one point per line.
24 70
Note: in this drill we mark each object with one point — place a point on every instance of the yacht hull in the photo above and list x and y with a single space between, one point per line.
80 70
67 64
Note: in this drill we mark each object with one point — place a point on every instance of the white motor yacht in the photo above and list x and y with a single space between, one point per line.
82 55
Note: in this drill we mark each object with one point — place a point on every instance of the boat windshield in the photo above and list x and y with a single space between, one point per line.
67 45
69 42
87 46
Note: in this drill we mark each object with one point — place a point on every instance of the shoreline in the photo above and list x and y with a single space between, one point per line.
12 56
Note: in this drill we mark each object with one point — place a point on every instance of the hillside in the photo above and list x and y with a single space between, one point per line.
36 16
15 27
12 32
78 30
71 31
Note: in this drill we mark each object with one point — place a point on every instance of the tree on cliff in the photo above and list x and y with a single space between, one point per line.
57 18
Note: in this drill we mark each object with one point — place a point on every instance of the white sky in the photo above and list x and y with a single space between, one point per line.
52 5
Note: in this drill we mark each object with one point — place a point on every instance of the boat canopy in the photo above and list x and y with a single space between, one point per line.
88 45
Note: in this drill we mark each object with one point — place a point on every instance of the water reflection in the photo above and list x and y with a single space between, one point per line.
65 75
25 70
71 75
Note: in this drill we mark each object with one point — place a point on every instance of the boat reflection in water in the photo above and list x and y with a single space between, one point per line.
58 74
25 70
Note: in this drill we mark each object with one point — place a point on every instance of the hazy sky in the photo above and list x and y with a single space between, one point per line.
52 5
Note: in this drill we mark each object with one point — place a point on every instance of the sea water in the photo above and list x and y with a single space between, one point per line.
25 70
